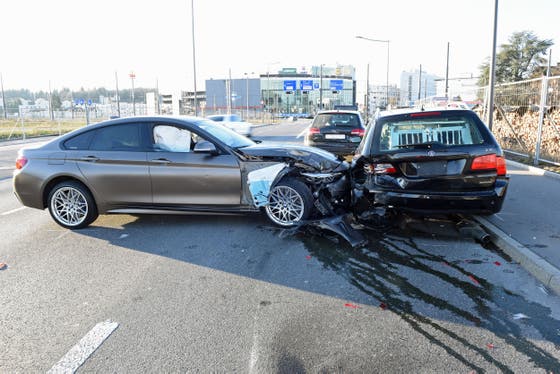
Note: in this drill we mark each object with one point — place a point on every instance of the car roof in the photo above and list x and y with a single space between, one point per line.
401 111
339 111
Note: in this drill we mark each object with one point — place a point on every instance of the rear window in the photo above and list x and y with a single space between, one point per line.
336 119
455 130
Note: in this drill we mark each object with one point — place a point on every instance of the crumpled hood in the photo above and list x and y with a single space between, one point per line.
319 159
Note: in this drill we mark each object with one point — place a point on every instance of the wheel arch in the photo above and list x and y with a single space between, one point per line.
62 178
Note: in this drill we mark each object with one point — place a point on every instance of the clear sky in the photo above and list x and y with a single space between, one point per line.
81 44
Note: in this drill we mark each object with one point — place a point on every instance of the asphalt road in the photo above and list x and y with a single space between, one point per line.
234 294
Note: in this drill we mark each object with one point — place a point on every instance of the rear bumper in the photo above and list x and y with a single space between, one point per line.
474 202
336 148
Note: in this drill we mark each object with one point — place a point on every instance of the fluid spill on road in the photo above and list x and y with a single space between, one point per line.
390 270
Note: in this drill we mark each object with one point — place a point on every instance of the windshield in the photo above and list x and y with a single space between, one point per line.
225 135
336 119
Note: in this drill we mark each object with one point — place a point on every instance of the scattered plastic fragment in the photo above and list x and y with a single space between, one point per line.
497 263
544 289
383 306
490 346
308 257
445 263
123 236
475 281
519 316
353 306
3 266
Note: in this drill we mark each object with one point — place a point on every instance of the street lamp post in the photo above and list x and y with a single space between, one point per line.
387 80
132 76
247 93
194 59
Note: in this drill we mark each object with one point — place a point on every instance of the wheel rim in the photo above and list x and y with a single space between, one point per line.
285 206
69 206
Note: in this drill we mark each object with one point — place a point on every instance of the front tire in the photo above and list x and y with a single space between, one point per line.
71 205
289 202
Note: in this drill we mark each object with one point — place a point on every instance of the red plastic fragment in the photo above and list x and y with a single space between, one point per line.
383 306
497 263
445 263
490 346
353 306
474 280
308 257
3 265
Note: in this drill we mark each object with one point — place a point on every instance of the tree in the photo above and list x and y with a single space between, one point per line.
517 60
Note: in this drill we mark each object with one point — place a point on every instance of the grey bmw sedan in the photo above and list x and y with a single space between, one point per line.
176 165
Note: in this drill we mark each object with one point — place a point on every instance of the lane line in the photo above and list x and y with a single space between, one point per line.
79 353
13 211
6 168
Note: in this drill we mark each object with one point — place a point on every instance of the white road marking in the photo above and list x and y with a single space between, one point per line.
79 353
12 211
7 167
305 130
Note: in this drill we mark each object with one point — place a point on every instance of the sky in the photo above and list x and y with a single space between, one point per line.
82 44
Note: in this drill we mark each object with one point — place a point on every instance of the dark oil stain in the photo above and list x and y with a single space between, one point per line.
265 303
375 271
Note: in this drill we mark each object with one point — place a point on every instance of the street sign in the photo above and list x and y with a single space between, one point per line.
336 85
89 102
82 101
306 85
290 85
315 86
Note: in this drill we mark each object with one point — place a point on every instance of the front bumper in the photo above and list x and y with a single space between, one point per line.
343 149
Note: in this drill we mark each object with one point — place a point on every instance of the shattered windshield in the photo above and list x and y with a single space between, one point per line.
225 135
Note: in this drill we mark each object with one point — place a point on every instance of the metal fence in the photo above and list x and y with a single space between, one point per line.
527 118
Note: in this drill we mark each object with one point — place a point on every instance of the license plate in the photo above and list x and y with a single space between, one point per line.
432 168
335 136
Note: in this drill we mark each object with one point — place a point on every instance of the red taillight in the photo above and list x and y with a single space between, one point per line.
425 114
359 132
490 162
21 161
501 165
314 130
379 169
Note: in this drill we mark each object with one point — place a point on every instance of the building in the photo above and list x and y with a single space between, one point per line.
378 96
416 85
288 92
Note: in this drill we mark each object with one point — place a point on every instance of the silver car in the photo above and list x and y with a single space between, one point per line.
176 164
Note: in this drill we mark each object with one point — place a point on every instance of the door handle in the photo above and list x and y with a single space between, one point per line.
163 161
89 159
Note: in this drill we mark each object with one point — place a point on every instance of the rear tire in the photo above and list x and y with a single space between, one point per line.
71 205
289 202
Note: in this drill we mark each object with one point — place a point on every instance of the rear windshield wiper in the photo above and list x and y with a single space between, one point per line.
428 145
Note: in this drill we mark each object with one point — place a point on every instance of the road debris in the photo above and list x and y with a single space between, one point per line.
3 266
123 236
383 306
497 263
520 316
352 306
475 281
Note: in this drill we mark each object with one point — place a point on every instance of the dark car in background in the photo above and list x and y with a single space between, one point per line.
337 131
444 161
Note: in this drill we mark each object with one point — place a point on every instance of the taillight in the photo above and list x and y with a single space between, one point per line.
21 161
490 162
379 169
424 114
359 132
314 130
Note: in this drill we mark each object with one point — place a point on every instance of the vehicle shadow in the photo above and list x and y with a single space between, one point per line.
426 277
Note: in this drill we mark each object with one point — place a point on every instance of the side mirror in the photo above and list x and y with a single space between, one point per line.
205 147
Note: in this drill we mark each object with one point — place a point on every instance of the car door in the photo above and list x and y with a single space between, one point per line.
114 164
182 177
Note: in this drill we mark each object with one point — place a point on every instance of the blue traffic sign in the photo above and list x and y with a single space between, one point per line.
82 101
290 85
89 102
306 85
316 86
336 85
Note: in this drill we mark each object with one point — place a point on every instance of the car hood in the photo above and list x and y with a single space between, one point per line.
316 158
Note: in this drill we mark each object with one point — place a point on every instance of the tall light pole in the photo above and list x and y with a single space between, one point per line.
247 92
492 69
194 59
4 97
132 76
387 80
118 98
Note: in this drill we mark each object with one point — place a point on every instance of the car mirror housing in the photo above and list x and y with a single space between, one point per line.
205 147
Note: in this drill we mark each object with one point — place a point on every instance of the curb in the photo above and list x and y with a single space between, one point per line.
544 271
534 169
